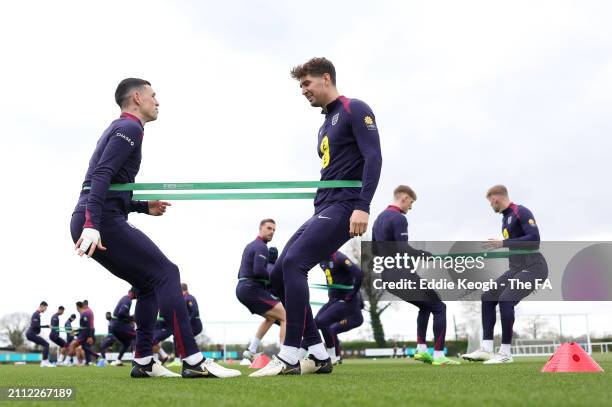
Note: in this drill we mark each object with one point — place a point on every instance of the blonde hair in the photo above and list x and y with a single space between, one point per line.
497 190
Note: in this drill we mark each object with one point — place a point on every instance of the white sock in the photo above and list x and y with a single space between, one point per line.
194 359
332 353
421 347
254 344
289 354
487 345
438 354
143 361
302 353
60 358
505 349
318 351
162 352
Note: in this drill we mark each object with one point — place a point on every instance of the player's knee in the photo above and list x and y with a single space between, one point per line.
322 321
170 274
289 262
277 313
292 264
173 271
506 309
439 307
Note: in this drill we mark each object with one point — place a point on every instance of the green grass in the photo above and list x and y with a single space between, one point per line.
355 383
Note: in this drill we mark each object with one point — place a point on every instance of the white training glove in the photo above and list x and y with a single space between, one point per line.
89 236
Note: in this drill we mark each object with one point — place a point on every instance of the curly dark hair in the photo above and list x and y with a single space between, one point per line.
316 67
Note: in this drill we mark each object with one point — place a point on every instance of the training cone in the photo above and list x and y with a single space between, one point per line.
260 361
570 357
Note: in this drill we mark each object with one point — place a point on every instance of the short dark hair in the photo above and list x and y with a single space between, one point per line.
43 303
404 189
79 304
72 316
85 302
184 287
125 87
61 308
264 221
315 67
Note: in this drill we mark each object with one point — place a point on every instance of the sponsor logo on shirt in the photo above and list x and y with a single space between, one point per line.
509 219
369 122
335 119
262 256
126 138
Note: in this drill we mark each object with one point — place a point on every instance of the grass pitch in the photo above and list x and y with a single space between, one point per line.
355 383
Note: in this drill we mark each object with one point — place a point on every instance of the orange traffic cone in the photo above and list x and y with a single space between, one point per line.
570 357
260 361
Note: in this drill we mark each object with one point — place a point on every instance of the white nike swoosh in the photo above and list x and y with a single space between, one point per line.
323 217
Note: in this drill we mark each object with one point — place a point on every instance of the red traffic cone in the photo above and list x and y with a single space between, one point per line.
260 361
570 357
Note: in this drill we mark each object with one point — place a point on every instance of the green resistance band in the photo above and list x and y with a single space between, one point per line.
64 330
332 286
190 186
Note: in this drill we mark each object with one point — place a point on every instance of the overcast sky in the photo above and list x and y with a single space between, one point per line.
466 95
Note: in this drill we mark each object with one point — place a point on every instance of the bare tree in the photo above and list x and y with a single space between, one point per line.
470 324
537 326
375 307
13 327
202 340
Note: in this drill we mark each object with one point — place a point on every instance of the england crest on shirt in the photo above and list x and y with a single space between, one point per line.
509 219
335 119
